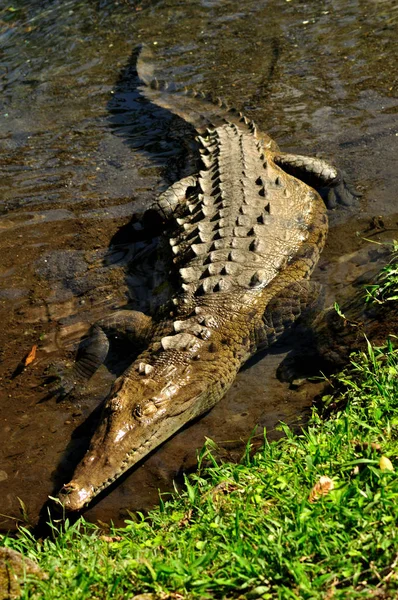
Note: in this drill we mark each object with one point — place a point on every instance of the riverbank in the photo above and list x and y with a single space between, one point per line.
312 515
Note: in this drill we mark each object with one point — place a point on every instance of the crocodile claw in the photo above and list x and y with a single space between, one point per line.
343 193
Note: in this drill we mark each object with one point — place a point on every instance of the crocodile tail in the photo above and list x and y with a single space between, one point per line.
201 110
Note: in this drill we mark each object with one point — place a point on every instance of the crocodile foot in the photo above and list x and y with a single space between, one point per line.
344 193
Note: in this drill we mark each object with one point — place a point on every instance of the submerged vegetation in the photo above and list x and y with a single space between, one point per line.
312 515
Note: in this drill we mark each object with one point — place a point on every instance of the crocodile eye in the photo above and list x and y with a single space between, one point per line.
137 412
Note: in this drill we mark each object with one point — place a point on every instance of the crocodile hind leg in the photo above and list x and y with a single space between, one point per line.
130 325
302 298
318 173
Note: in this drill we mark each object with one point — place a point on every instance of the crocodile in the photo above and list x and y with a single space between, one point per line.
245 234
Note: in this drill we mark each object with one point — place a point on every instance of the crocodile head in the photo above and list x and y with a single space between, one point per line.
139 414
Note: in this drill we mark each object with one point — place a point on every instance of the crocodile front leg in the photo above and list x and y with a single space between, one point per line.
130 325
317 173
169 201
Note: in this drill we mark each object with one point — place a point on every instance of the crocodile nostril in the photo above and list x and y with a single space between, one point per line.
69 488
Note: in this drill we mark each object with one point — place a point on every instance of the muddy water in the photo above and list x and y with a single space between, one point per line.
81 152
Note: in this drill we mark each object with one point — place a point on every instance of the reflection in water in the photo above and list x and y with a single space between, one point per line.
81 152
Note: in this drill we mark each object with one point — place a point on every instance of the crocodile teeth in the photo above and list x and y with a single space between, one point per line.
148 369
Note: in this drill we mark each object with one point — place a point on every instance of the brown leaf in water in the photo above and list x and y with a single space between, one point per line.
31 356
321 488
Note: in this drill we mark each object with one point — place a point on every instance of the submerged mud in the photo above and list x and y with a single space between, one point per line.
81 153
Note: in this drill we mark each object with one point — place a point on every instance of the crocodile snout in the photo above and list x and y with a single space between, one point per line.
74 497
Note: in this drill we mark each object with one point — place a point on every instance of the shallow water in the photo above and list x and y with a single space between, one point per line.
81 152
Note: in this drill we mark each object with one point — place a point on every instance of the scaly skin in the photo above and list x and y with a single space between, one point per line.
245 236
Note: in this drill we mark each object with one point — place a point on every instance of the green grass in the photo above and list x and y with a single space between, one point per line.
385 288
248 530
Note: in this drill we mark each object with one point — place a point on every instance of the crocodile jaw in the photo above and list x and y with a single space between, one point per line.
124 436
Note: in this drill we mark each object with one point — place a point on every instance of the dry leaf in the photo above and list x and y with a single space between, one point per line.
321 488
186 519
31 356
359 446
385 464
110 538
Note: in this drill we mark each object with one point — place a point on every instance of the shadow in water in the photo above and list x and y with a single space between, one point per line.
168 141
